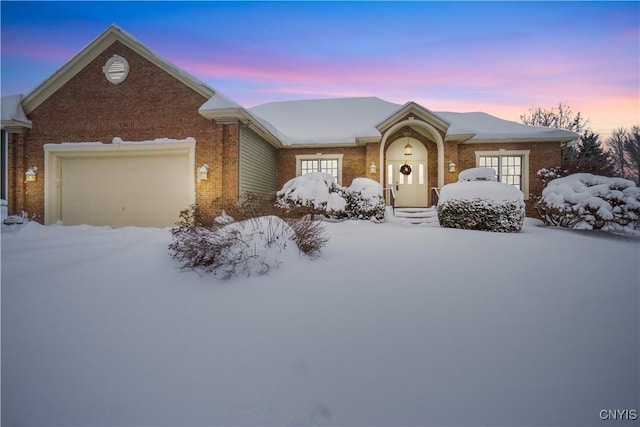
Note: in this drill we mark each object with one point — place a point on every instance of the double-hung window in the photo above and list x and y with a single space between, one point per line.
326 163
511 167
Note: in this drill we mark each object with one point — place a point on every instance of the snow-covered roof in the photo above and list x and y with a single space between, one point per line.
345 120
12 113
325 121
487 127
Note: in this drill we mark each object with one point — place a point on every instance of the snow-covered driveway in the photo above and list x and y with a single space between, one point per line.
394 325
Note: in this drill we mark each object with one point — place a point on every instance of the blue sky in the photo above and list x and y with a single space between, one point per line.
498 57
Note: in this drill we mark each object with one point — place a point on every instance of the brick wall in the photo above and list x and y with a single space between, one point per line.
149 104
353 162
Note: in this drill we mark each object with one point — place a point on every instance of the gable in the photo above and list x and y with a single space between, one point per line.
88 105
113 35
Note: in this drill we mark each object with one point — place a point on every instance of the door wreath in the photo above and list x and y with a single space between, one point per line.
405 169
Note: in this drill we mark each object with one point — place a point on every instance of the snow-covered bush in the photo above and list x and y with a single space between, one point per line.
477 174
313 193
481 205
229 248
546 175
318 193
365 200
591 202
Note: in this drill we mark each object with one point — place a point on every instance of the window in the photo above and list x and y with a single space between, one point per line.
508 168
327 163
511 167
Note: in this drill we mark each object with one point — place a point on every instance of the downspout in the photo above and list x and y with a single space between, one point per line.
5 166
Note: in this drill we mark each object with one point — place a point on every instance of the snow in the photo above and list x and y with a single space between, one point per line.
484 126
370 190
3 210
11 109
477 174
325 121
485 190
100 327
219 101
343 120
316 189
612 199
119 141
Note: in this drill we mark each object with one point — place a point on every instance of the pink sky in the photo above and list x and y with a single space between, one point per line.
501 58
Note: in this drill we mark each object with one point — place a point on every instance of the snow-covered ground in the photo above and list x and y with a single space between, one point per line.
393 325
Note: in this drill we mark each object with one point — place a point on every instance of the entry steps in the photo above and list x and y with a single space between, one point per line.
417 216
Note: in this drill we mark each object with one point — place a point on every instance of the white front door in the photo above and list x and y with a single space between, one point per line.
411 189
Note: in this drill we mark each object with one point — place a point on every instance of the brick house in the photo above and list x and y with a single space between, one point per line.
120 136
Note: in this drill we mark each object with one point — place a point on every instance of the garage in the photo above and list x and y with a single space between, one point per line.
119 184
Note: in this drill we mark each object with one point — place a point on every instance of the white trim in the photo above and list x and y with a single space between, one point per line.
420 125
319 156
525 164
54 153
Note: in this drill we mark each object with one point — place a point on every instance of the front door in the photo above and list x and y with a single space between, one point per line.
410 189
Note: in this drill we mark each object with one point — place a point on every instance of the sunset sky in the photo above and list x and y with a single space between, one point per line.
499 57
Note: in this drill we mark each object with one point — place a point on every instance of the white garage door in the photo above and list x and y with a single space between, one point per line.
121 190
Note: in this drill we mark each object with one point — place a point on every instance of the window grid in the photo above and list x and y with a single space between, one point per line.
508 168
329 166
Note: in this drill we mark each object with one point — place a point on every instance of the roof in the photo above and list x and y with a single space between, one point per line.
112 34
484 126
325 121
344 120
12 114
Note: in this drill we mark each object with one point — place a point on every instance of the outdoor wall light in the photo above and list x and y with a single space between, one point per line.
408 149
452 167
372 168
203 173
31 174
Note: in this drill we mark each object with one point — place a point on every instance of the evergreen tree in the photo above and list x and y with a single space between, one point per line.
617 150
590 157
632 148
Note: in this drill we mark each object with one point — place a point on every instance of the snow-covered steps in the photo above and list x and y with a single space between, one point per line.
417 216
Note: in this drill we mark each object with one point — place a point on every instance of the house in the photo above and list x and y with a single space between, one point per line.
120 136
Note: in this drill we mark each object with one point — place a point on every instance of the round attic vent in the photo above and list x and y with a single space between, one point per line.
116 69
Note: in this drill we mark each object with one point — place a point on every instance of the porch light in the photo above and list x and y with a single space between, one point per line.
408 149
31 174
372 168
203 172
452 167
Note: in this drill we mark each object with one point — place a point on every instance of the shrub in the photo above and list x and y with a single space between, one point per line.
319 194
591 202
228 248
486 206
312 193
365 200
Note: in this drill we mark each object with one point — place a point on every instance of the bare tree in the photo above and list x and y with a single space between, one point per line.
562 117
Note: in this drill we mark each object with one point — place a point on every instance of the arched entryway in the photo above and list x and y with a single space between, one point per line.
407 172
436 156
